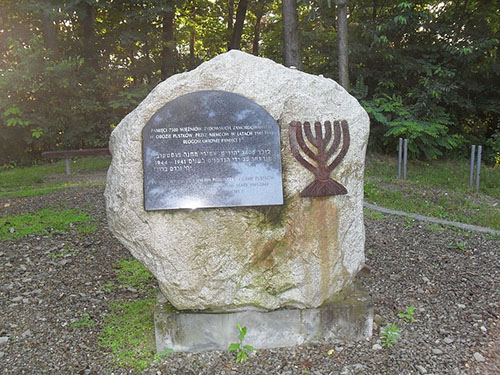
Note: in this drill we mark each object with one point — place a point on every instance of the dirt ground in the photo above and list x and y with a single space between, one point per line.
451 277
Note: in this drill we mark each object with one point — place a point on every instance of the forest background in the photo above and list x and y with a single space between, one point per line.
428 71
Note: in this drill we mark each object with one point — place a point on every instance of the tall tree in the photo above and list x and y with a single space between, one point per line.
167 55
293 56
259 13
49 30
230 15
238 25
342 39
86 15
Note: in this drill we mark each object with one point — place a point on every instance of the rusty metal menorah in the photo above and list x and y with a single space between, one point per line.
322 185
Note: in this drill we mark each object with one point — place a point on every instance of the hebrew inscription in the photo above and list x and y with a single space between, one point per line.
211 149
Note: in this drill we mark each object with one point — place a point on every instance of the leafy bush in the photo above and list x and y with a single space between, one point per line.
426 137
493 149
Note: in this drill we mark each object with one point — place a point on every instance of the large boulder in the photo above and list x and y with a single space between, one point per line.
297 255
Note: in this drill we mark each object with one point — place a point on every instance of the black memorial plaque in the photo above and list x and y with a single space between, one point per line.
211 149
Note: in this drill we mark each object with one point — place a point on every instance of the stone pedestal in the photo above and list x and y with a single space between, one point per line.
347 317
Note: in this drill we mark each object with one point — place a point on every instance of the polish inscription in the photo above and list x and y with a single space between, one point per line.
211 149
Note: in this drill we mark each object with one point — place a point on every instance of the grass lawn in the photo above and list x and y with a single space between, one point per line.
438 189
48 177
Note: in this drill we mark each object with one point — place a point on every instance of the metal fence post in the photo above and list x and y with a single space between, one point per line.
478 167
405 157
400 152
67 166
471 173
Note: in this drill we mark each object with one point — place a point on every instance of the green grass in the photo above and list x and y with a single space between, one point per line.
446 174
128 330
373 214
129 333
45 222
35 180
84 322
438 189
132 273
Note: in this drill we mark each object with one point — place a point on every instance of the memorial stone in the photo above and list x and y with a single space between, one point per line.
267 260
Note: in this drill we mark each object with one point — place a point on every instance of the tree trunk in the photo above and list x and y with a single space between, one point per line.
86 14
256 30
238 25
342 36
291 34
191 44
167 55
230 14
49 31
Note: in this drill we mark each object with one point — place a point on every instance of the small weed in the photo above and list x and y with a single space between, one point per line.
409 222
240 349
108 287
85 321
133 273
458 245
493 236
390 335
434 227
408 315
44 222
64 253
370 252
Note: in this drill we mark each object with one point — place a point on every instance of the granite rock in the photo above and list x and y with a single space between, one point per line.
228 259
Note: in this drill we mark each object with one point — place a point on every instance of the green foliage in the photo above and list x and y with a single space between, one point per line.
458 245
424 70
408 315
128 333
240 349
390 335
132 273
492 149
425 138
44 222
84 322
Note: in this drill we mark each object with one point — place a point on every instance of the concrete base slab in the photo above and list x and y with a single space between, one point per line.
347 317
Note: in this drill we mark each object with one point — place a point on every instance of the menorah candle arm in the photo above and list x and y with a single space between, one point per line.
294 133
328 132
345 146
336 139
303 145
311 138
